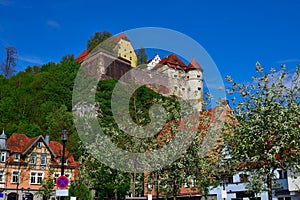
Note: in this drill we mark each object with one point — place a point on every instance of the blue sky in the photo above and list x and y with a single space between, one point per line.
236 34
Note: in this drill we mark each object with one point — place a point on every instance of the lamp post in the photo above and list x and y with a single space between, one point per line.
224 181
22 189
64 138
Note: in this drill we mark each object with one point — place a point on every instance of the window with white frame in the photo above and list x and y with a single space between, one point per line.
282 174
36 177
17 157
3 156
32 159
43 159
59 160
39 145
15 176
193 183
57 174
1 176
187 184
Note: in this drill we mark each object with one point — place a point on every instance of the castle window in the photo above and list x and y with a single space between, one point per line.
187 76
17 157
130 58
198 76
183 88
3 156
175 75
199 88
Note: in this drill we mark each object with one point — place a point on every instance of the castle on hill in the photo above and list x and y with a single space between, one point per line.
116 57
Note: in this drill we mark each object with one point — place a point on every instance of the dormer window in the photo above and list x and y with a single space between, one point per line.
39 145
3 157
17 157
59 160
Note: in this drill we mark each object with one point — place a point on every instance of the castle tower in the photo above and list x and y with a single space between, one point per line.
194 84
3 147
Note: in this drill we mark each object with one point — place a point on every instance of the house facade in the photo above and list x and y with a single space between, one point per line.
286 187
26 162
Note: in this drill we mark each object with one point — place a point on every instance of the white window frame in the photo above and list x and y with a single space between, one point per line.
187 184
59 160
39 144
2 176
30 159
38 178
3 156
17 156
15 173
57 174
43 156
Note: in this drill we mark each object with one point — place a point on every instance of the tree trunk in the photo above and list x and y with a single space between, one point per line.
134 184
269 186
156 185
174 191
116 194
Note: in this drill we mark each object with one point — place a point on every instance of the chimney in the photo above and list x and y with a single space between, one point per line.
47 139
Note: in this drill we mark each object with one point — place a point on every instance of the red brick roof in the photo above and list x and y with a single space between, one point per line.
173 61
194 65
20 143
209 117
82 56
122 36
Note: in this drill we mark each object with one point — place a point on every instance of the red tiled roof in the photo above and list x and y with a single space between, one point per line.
82 56
194 65
18 142
209 117
57 148
122 36
173 61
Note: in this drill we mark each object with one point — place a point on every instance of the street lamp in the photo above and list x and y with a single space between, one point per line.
64 138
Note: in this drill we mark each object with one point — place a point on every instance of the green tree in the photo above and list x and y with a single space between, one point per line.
8 66
80 187
267 134
142 57
97 38
46 189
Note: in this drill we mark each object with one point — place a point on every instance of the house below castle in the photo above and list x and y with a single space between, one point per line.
26 162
